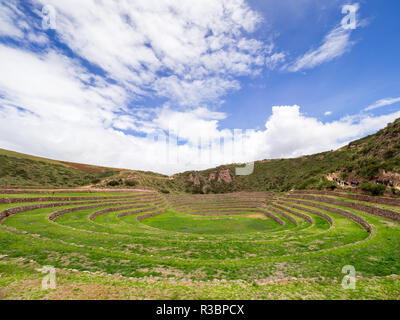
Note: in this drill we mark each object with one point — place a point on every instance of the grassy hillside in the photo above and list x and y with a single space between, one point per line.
18 169
23 170
374 157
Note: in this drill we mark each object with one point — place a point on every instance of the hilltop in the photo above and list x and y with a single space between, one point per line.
373 157
18 169
376 156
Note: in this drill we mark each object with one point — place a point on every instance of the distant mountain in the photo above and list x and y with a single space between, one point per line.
374 157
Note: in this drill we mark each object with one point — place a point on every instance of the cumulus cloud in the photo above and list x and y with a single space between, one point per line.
289 133
184 51
382 103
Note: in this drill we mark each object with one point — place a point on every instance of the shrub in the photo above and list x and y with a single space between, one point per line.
343 176
374 189
113 183
164 191
388 154
395 191
95 181
131 183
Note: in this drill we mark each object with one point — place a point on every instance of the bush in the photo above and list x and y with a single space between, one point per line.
369 168
113 183
131 183
374 189
164 191
95 181
388 154
395 191
331 185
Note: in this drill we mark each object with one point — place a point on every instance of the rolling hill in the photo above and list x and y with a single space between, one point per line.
373 157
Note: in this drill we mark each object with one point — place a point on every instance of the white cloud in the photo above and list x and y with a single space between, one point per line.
335 44
328 113
289 133
165 48
191 93
8 20
382 103
191 125
275 59
50 124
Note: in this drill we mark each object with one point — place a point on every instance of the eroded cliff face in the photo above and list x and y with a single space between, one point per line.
225 175
194 178
210 181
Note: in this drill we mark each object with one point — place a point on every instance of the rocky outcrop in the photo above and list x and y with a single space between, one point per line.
225 176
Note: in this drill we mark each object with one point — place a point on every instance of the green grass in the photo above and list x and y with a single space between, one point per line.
224 224
22 170
181 255
77 285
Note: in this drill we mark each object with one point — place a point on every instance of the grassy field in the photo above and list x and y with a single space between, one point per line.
146 245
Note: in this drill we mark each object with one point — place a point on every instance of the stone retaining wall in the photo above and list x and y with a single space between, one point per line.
10 212
56 214
317 213
45 199
225 211
151 214
389 214
290 218
108 210
124 214
358 197
298 214
274 217
354 217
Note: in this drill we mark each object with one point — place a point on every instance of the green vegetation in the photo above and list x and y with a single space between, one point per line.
374 189
131 183
211 225
90 286
25 171
150 245
114 183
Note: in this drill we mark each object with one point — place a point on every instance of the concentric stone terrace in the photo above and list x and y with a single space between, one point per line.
257 238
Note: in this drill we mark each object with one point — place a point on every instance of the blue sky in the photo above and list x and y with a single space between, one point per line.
106 82
366 73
